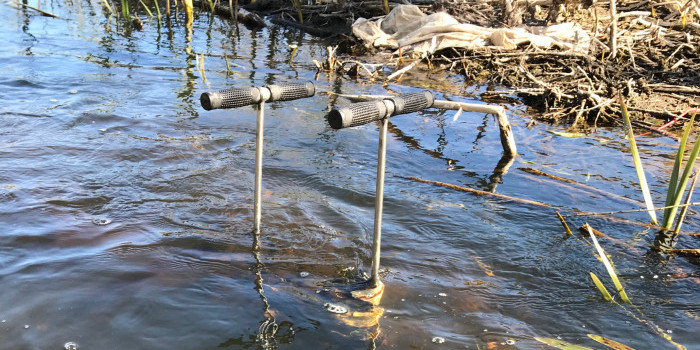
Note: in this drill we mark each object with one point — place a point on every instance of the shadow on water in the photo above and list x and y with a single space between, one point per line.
133 206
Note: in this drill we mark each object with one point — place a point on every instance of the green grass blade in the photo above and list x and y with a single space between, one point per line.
638 163
673 183
604 292
563 222
683 181
125 10
560 344
228 67
609 342
157 10
608 267
150 14
679 222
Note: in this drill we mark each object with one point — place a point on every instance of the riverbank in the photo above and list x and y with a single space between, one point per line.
643 52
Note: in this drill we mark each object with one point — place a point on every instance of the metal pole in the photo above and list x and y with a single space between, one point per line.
379 202
257 201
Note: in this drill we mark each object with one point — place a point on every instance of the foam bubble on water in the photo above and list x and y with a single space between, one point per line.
438 340
335 308
303 274
101 222
70 346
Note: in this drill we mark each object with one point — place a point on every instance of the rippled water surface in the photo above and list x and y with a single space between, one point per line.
126 209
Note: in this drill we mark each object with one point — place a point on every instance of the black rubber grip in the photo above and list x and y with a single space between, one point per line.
412 102
357 114
291 91
230 98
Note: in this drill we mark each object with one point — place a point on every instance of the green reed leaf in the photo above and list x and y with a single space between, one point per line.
677 193
601 287
608 267
560 344
638 163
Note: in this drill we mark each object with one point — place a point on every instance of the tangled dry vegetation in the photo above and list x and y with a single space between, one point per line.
647 51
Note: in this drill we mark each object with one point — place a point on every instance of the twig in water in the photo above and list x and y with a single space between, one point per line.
480 192
563 222
49 14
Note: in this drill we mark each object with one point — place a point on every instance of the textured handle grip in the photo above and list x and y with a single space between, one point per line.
230 98
291 91
357 114
412 102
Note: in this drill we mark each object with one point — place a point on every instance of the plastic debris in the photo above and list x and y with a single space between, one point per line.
408 27
70 346
303 274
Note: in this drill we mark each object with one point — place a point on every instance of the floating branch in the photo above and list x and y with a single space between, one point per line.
48 14
480 192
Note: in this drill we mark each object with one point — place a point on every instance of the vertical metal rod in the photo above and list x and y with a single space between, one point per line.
257 201
379 202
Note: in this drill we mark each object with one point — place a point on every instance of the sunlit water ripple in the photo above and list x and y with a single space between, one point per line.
127 208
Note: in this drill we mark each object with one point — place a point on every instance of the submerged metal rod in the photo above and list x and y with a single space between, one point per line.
257 200
379 202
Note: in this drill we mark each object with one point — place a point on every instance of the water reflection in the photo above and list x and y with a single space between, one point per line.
270 333
127 146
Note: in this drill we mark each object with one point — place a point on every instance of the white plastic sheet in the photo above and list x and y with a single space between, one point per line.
406 26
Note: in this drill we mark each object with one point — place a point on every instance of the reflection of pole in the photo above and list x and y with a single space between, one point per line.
268 328
258 167
499 171
379 202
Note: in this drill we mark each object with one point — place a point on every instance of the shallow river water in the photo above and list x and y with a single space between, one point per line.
126 208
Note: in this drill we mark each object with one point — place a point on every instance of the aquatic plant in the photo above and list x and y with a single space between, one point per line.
157 10
677 184
608 267
150 14
638 163
188 12
125 10
678 181
297 6
609 342
686 203
603 291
